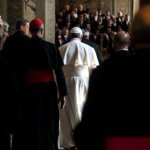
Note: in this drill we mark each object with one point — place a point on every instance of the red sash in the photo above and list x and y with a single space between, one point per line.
39 76
127 143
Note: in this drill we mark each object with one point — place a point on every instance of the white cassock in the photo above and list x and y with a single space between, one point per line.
79 59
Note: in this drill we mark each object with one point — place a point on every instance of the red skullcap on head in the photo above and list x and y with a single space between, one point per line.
36 23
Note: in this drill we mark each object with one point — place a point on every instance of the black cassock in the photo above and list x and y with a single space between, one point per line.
117 102
13 53
8 104
39 117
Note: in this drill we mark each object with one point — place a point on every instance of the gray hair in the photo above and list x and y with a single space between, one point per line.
5 24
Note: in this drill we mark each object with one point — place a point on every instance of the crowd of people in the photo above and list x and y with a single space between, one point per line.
99 26
98 71
118 97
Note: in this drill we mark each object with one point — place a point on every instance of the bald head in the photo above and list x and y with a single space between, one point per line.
121 40
140 31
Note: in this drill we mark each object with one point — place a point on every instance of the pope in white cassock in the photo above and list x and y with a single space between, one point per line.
79 60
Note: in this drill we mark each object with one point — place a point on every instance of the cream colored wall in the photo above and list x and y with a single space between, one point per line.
93 4
44 9
50 20
106 5
123 5
126 6
29 9
136 6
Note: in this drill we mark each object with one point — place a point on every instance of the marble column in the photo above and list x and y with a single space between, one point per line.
46 11
50 20
136 5
29 9
110 6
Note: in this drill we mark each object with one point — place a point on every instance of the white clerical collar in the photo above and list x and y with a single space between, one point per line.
76 39
124 49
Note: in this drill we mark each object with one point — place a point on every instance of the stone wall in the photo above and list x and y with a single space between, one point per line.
136 5
29 9
3 9
112 5
50 20
46 11
14 12
124 6
106 5
93 4
11 10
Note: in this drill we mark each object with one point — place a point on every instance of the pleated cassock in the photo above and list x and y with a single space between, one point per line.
79 60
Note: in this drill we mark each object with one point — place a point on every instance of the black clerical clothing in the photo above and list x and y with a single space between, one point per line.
125 26
119 21
96 48
38 128
8 104
117 101
13 53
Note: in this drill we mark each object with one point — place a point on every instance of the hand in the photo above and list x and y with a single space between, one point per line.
62 102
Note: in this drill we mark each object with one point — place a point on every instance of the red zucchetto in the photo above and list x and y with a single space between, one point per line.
36 23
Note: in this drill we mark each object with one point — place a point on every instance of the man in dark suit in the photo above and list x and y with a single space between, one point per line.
86 40
14 48
126 23
13 55
117 101
120 19
120 51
